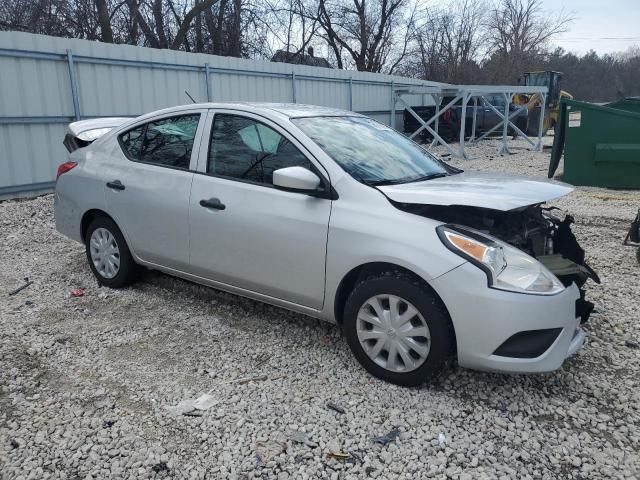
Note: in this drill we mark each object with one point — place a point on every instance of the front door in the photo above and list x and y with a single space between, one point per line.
244 231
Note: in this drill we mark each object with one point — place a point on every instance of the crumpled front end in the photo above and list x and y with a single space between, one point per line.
509 331
535 230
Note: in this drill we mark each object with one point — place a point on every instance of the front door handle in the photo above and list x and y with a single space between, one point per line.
116 185
214 203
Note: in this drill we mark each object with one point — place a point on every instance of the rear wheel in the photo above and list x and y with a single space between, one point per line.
108 255
397 328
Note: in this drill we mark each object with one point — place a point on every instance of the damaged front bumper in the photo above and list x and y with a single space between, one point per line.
509 332
570 273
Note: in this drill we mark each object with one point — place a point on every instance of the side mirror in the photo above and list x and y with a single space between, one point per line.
297 179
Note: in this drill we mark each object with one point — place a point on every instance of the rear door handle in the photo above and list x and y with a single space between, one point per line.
116 185
214 203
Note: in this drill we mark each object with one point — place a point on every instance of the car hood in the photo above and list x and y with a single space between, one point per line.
486 190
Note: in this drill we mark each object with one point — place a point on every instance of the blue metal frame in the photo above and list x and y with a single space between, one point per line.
36 119
351 94
41 187
293 87
8 52
207 80
74 84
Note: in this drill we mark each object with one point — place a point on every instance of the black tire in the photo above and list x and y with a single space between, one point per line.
128 271
425 301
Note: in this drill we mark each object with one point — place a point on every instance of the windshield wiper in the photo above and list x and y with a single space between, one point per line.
382 183
399 181
428 177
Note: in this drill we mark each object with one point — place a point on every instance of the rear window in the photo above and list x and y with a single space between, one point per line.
167 142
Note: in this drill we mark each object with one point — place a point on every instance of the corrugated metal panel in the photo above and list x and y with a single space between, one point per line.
30 153
36 99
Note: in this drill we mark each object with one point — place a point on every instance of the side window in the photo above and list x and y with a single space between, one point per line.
248 150
167 142
131 142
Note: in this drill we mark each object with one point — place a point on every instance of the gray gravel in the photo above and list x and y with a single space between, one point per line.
87 384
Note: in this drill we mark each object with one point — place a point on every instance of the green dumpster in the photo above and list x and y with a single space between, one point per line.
629 104
601 143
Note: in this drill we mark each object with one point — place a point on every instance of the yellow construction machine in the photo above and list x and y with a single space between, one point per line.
551 80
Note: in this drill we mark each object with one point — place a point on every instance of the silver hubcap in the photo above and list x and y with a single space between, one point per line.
393 333
105 253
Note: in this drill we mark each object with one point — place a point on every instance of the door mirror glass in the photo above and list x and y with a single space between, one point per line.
296 178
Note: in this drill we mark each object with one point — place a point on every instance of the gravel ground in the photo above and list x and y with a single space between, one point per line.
87 384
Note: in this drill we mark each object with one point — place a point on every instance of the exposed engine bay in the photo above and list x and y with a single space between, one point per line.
533 229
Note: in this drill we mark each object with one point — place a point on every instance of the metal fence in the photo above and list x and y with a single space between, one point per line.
47 82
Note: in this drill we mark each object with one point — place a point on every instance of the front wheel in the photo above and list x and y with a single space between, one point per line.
108 255
397 328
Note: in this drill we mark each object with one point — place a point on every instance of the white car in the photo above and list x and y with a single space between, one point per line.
333 215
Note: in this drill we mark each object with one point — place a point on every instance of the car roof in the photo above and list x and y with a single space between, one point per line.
290 110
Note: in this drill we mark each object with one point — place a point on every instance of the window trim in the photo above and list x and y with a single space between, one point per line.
327 191
195 149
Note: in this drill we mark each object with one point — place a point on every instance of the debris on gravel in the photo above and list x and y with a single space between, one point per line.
335 407
27 283
86 383
302 437
388 437
632 344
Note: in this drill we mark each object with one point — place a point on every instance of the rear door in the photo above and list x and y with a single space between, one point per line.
250 234
148 188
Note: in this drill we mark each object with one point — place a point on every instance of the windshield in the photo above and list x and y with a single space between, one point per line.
371 152
538 79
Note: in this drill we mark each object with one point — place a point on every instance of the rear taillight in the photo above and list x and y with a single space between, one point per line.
64 168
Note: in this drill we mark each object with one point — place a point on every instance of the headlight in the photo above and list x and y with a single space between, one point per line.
507 268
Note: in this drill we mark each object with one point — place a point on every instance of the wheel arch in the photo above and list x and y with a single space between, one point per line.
350 280
89 216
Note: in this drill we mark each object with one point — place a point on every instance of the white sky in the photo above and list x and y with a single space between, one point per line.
605 26
602 25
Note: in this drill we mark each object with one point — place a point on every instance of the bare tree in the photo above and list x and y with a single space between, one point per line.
522 27
187 20
49 17
155 21
364 33
104 19
302 26
448 41
519 32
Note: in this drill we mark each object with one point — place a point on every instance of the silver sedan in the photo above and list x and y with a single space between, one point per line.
333 215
